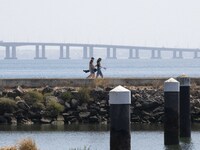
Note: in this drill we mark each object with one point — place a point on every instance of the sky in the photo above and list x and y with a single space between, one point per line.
161 23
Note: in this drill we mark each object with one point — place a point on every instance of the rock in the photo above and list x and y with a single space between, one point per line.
158 109
22 105
103 111
94 119
99 89
197 110
3 120
67 106
47 89
93 112
13 120
83 107
19 91
57 122
12 94
84 114
135 119
18 98
26 121
149 105
9 117
45 121
74 103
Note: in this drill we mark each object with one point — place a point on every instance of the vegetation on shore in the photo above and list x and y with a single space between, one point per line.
67 105
26 144
29 144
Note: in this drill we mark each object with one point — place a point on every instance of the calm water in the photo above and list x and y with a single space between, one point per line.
115 68
95 137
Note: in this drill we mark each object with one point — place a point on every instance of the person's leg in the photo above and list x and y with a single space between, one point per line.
97 74
89 76
101 74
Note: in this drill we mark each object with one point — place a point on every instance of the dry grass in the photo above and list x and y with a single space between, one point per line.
26 144
99 82
8 148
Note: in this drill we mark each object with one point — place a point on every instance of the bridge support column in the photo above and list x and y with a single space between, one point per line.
85 52
196 54
10 52
14 52
61 52
114 53
177 54
155 54
43 52
37 52
66 49
91 52
108 53
131 54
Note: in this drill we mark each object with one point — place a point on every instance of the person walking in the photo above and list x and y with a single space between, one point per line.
98 65
91 68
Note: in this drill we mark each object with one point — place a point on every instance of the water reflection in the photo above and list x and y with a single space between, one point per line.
56 128
185 144
172 147
85 127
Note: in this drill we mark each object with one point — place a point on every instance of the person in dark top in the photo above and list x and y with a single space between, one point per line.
98 65
91 68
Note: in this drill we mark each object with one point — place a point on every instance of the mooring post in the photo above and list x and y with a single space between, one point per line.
120 100
171 123
185 117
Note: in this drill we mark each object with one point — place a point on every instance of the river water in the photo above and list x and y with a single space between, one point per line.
118 68
94 137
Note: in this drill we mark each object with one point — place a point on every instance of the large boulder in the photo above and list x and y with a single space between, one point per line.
22 105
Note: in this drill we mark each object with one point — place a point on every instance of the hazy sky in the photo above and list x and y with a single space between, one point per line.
169 23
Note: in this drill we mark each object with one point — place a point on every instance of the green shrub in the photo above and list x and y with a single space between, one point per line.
37 107
54 108
84 94
7 105
48 94
66 96
32 97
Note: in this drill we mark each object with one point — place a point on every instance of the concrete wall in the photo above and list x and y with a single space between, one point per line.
8 83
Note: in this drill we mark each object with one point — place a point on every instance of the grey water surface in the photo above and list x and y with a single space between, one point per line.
94 137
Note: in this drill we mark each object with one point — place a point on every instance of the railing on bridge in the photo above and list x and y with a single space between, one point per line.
88 50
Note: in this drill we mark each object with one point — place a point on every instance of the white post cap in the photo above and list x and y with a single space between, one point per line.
184 80
171 85
120 95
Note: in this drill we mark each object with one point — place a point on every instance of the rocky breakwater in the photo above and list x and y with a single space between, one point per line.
67 105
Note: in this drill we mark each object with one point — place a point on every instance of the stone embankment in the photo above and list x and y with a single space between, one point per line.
67 105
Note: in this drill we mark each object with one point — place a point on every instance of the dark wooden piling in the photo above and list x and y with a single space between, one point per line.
185 117
120 100
171 123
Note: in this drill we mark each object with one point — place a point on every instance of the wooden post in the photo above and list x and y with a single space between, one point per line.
120 100
171 124
185 117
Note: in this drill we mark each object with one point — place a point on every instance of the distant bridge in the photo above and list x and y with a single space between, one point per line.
88 49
